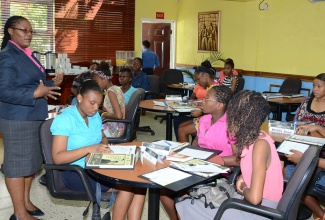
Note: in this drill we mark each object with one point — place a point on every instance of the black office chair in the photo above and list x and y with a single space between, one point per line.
129 121
289 86
153 93
54 182
170 76
289 203
240 84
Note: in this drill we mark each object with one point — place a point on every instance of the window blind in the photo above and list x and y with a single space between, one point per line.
40 15
94 29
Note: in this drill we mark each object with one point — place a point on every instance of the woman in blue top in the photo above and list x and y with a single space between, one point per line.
78 132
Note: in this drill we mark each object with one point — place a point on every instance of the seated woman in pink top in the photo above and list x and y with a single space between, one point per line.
261 180
212 131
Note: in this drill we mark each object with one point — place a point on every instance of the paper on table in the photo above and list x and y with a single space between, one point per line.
162 104
123 149
196 153
207 168
166 176
286 146
172 144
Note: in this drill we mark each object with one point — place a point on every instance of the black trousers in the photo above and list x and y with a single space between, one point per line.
148 71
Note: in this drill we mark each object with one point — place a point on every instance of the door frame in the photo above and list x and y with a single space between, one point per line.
172 37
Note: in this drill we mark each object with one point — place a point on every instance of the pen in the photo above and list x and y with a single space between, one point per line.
169 144
59 109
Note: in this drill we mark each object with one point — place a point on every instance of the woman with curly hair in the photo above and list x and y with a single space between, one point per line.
261 180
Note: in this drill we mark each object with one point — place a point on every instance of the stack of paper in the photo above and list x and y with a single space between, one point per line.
162 104
281 127
270 95
293 95
158 148
174 145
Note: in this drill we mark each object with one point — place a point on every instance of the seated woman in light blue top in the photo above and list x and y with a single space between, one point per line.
78 132
125 78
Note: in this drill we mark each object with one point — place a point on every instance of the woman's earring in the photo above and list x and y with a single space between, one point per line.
79 101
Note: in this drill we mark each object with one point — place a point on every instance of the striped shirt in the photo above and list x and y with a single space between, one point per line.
228 81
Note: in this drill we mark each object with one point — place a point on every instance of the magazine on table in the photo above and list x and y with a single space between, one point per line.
123 157
200 167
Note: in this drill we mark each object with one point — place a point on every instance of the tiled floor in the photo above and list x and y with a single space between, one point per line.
56 209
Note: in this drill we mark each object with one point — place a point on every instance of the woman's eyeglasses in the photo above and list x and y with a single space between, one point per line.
26 31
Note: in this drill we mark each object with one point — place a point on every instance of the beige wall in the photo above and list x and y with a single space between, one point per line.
146 9
286 38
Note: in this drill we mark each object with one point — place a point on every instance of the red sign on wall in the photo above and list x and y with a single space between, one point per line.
160 15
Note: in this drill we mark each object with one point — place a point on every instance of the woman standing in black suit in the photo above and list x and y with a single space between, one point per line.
23 107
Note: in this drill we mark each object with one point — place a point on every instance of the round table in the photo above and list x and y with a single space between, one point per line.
149 105
285 102
131 178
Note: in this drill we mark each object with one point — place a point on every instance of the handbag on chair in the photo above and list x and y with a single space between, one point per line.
212 195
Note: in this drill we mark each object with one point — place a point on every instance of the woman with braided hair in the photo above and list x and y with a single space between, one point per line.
114 103
261 180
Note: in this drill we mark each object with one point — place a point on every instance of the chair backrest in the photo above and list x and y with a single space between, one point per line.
240 84
154 83
138 112
171 76
297 184
290 86
132 106
46 139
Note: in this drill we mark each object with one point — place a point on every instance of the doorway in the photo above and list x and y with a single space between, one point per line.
161 35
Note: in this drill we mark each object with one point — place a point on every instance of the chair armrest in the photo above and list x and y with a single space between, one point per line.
126 121
235 172
75 168
305 89
273 85
80 171
246 206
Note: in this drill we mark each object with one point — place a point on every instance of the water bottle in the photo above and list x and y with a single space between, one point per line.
295 121
59 69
